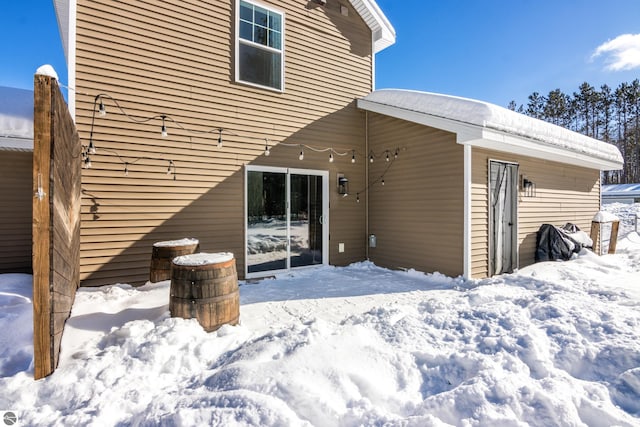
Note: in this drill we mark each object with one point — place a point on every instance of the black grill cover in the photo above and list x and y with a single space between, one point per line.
552 244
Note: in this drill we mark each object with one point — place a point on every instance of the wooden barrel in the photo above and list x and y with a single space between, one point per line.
207 291
162 254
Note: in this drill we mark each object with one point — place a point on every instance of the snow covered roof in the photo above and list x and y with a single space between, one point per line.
16 119
481 124
621 190
384 35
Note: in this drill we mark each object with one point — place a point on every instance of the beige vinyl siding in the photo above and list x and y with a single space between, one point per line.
564 193
417 216
176 58
15 211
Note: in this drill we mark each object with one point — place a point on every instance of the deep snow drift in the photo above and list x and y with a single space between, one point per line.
558 343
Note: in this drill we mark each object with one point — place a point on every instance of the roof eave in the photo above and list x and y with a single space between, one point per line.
482 137
383 33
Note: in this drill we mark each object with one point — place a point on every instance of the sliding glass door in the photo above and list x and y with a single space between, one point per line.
286 219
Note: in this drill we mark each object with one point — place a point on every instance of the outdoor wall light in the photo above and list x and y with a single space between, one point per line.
343 185
527 186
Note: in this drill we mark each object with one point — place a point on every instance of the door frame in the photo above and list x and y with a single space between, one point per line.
325 216
515 252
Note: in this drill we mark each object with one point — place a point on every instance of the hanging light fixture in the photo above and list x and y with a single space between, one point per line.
169 167
87 162
382 182
126 169
387 158
357 197
330 157
266 147
353 156
371 158
92 148
163 130
101 110
220 138
395 156
301 156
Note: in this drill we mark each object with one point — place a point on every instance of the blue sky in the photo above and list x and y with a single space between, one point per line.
492 50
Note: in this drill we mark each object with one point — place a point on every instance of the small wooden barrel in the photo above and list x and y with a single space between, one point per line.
205 287
162 254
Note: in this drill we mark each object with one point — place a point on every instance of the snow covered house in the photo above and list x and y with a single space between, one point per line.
249 125
246 88
479 182
16 156
621 193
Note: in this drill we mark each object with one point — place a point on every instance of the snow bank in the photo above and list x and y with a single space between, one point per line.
556 344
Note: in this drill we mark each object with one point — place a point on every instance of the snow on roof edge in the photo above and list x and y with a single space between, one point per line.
16 113
490 116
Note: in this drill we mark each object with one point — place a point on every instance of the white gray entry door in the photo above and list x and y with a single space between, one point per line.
503 217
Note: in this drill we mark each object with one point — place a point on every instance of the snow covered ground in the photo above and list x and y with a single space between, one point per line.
558 343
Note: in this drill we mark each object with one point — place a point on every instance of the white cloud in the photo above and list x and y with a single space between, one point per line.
622 53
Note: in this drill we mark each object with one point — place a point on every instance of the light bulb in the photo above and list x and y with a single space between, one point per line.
102 111
169 167
353 157
395 156
266 147
163 130
371 158
219 138
92 147
126 169
301 156
383 181
358 198
387 156
330 157
87 162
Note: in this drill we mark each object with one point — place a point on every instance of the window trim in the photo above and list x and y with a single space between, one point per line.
259 46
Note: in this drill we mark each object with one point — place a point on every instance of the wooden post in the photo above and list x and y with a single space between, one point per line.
42 275
613 240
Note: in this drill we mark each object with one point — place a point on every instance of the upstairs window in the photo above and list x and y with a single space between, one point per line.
259 46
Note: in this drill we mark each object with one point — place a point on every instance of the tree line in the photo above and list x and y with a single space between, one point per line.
610 115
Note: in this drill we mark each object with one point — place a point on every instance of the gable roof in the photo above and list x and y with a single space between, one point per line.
486 125
384 35
16 119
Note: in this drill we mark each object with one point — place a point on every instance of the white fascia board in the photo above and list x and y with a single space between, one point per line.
481 137
502 141
16 144
384 35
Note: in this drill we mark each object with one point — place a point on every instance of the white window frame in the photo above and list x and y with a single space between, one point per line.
259 46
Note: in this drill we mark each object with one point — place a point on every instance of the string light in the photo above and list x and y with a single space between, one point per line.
99 106
163 131
380 179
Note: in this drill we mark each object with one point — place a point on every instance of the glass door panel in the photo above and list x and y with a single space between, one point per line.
306 226
266 221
